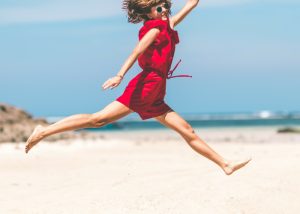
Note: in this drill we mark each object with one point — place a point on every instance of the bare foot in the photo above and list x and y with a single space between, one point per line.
34 138
232 166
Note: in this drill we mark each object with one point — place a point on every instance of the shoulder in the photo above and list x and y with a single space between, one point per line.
153 23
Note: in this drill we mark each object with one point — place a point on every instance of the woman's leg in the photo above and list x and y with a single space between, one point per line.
110 113
174 121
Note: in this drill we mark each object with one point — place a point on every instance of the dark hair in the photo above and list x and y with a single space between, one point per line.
137 9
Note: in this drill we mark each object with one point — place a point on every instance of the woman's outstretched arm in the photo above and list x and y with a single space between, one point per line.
143 44
188 7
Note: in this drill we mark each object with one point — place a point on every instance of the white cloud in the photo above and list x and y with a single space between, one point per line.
66 10
216 3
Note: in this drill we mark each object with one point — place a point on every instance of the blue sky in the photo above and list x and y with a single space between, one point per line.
244 56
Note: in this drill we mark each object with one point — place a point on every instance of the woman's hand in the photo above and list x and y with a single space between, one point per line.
112 82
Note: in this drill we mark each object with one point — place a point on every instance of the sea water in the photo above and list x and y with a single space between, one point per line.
211 120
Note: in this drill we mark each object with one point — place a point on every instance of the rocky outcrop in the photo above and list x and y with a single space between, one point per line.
16 125
288 130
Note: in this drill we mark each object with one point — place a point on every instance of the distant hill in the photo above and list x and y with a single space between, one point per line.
16 125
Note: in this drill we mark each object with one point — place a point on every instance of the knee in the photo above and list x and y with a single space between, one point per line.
190 134
98 120
189 129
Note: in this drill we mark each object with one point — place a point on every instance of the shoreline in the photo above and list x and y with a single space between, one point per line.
249 134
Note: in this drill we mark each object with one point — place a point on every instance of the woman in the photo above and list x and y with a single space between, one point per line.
145 92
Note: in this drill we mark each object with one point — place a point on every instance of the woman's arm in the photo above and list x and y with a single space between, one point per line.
143 44
188 7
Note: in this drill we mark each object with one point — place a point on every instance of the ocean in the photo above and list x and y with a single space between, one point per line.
211 120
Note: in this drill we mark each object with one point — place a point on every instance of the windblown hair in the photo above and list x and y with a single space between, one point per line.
137 9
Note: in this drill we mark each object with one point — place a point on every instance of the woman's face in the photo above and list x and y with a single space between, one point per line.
159 11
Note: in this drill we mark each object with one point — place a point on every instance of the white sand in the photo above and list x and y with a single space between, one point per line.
153 172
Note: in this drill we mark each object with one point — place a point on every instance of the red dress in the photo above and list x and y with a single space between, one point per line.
145 93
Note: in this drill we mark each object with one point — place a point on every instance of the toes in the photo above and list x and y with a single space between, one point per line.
234 166
26 149
240 165
30 142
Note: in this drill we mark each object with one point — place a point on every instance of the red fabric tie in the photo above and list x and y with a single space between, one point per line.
170 73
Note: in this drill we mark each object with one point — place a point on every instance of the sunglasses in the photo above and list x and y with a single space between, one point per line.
164 5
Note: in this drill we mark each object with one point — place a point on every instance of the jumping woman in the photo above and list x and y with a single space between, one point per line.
146 91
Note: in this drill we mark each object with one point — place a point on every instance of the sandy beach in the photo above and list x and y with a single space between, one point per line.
153 172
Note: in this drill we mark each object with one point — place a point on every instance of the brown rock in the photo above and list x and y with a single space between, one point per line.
16 125
289 130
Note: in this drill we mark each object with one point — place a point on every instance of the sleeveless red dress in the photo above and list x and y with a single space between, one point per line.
145 93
